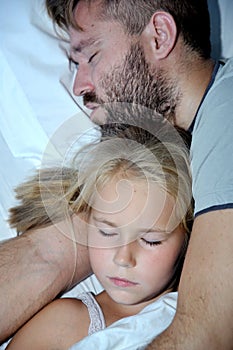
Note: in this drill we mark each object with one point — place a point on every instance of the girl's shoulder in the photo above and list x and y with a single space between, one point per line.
59 325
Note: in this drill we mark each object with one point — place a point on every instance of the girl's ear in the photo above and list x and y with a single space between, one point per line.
162 33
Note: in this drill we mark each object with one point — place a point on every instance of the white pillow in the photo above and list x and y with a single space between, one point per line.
34 103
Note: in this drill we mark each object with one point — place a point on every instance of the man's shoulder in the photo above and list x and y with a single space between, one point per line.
225 68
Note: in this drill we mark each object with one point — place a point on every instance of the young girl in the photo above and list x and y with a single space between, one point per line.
131 194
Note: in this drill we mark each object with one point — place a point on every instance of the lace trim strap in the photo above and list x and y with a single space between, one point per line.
95 313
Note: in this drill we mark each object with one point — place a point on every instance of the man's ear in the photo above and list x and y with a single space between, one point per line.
162 33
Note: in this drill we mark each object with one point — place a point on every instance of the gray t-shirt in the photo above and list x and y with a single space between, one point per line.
212 144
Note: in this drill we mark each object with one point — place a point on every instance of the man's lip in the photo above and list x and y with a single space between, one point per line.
91 106
122 282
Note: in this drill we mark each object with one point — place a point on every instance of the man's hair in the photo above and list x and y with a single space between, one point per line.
191 17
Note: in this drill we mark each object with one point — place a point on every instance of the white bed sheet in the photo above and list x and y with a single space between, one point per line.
134 332
34 105
35 108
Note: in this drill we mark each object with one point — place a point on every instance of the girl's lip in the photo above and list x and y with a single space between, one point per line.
122 282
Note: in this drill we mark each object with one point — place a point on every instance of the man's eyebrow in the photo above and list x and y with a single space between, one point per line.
82 45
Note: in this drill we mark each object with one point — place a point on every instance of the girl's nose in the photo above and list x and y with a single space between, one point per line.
125 255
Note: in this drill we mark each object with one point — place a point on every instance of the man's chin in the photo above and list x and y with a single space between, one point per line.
98 116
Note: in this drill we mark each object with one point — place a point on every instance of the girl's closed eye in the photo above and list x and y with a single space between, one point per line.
107 234
150 242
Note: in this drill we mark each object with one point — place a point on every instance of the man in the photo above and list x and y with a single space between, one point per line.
125 51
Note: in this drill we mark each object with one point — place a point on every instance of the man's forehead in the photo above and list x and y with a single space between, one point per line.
86 12
87 24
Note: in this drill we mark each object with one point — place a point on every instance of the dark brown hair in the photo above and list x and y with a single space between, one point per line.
191 17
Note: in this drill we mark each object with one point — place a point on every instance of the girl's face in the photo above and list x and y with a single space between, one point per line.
133 240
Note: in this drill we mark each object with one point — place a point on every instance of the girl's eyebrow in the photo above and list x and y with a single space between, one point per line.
155 233
157 230
104 221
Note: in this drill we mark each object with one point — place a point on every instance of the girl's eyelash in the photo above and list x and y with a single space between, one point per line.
105 234
151 243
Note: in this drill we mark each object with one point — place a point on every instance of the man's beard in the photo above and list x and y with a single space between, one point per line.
135 83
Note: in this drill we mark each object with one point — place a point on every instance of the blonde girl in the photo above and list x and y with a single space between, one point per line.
131 194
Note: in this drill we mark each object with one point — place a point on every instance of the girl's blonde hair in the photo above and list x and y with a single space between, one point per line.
127 151
134 154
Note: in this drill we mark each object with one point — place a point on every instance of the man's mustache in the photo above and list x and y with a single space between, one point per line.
91 97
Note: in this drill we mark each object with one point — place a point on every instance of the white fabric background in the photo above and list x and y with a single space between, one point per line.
33 103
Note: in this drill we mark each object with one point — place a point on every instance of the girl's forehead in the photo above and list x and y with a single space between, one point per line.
138 203
121 187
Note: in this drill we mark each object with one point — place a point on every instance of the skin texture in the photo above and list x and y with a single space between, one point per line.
133 251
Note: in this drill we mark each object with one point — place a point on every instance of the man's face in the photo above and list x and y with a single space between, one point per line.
112 67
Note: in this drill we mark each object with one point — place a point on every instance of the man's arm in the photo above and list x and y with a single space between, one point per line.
205 303
34 269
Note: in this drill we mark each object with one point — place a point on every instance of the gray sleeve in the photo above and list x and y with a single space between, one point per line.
212 147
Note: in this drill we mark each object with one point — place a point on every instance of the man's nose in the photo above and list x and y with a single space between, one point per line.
83 82
125 255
